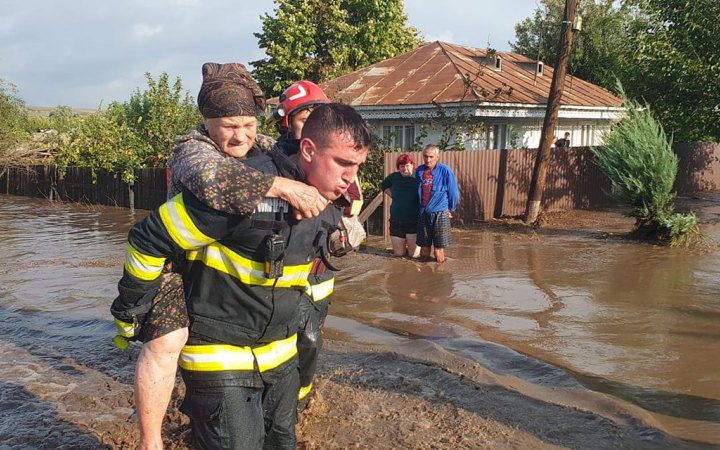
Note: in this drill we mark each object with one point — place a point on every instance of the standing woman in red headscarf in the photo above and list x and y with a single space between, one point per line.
402 186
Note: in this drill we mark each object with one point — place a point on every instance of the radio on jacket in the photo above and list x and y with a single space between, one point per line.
274 253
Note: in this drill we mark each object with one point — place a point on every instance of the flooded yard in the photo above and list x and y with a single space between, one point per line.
571 316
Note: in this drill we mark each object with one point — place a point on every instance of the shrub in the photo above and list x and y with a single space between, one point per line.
638 159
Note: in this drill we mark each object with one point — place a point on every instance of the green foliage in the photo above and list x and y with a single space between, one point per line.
676 66
455 127
157 115
322 39
372 172
598 50
268 127
134 134
682 229
664 51
638 159
101 142
62 119
13 117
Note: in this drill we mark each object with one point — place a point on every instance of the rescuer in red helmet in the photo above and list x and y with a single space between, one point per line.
296 104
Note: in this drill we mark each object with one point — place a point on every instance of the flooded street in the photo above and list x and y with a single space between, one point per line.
562 310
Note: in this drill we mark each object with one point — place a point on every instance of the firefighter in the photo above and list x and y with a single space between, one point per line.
295 105
242 277
207 158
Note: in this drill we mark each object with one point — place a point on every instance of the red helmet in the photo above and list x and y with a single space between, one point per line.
300 95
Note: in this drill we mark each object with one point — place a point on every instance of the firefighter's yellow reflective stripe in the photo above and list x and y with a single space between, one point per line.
142 266
355 207
304 391
222 259
208 358
211 358
323 290
272 355
124 329
180 226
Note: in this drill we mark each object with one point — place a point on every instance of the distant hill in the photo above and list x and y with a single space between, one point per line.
46 110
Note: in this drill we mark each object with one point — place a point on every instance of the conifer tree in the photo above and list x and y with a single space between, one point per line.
638 159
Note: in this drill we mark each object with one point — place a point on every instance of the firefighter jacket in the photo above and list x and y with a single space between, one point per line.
243 275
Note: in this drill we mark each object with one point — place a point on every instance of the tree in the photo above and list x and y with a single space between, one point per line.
158 115
320 40
676 66
599 49
135 134
638 159
13 117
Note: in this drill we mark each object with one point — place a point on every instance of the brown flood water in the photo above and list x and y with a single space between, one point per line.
559 309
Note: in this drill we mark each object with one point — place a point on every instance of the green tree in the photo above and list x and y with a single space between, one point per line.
638 159
599 49
13 117
134 134
158 115
100 141
676 66
320 40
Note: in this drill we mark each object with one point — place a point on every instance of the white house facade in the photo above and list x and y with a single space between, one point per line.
462 96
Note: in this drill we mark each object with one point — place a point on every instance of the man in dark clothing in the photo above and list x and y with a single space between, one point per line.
241 278
563 142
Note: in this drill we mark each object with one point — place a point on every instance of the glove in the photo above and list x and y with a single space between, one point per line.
125 332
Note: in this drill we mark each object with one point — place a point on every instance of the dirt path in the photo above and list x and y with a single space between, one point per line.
398 398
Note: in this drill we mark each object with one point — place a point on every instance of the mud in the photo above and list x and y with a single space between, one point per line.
523 339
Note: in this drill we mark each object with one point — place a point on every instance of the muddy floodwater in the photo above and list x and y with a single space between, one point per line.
560 310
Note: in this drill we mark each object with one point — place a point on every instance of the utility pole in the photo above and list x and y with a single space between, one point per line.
537 184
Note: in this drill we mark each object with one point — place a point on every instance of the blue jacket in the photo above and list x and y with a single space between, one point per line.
444 194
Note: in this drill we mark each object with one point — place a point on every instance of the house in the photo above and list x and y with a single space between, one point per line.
471 98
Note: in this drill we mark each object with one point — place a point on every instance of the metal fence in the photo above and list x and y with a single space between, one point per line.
493 183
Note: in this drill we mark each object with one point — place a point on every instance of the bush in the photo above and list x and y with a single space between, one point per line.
157 116
372 172
101 142
638 159
13 117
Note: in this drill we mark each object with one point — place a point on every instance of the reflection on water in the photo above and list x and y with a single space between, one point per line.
633 320
636 321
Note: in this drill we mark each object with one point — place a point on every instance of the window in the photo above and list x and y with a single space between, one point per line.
497 137
399 136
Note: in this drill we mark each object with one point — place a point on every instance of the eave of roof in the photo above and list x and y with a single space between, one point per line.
443 73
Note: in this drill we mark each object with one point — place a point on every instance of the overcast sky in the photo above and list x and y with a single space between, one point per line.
85 53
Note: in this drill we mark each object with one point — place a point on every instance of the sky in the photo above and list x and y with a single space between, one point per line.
88 53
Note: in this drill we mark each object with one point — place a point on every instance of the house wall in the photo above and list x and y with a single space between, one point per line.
505 133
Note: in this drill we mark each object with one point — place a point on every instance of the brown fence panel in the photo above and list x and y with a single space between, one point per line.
150 188
495 183
698 167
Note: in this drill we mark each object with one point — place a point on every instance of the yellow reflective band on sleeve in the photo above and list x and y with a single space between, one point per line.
217 357
250 272
180 226
355 207
142 266
124 329
304 391
323 290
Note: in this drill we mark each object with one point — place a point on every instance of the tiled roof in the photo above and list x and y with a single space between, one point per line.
447 73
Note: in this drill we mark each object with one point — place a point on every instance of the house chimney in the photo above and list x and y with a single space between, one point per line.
540 68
